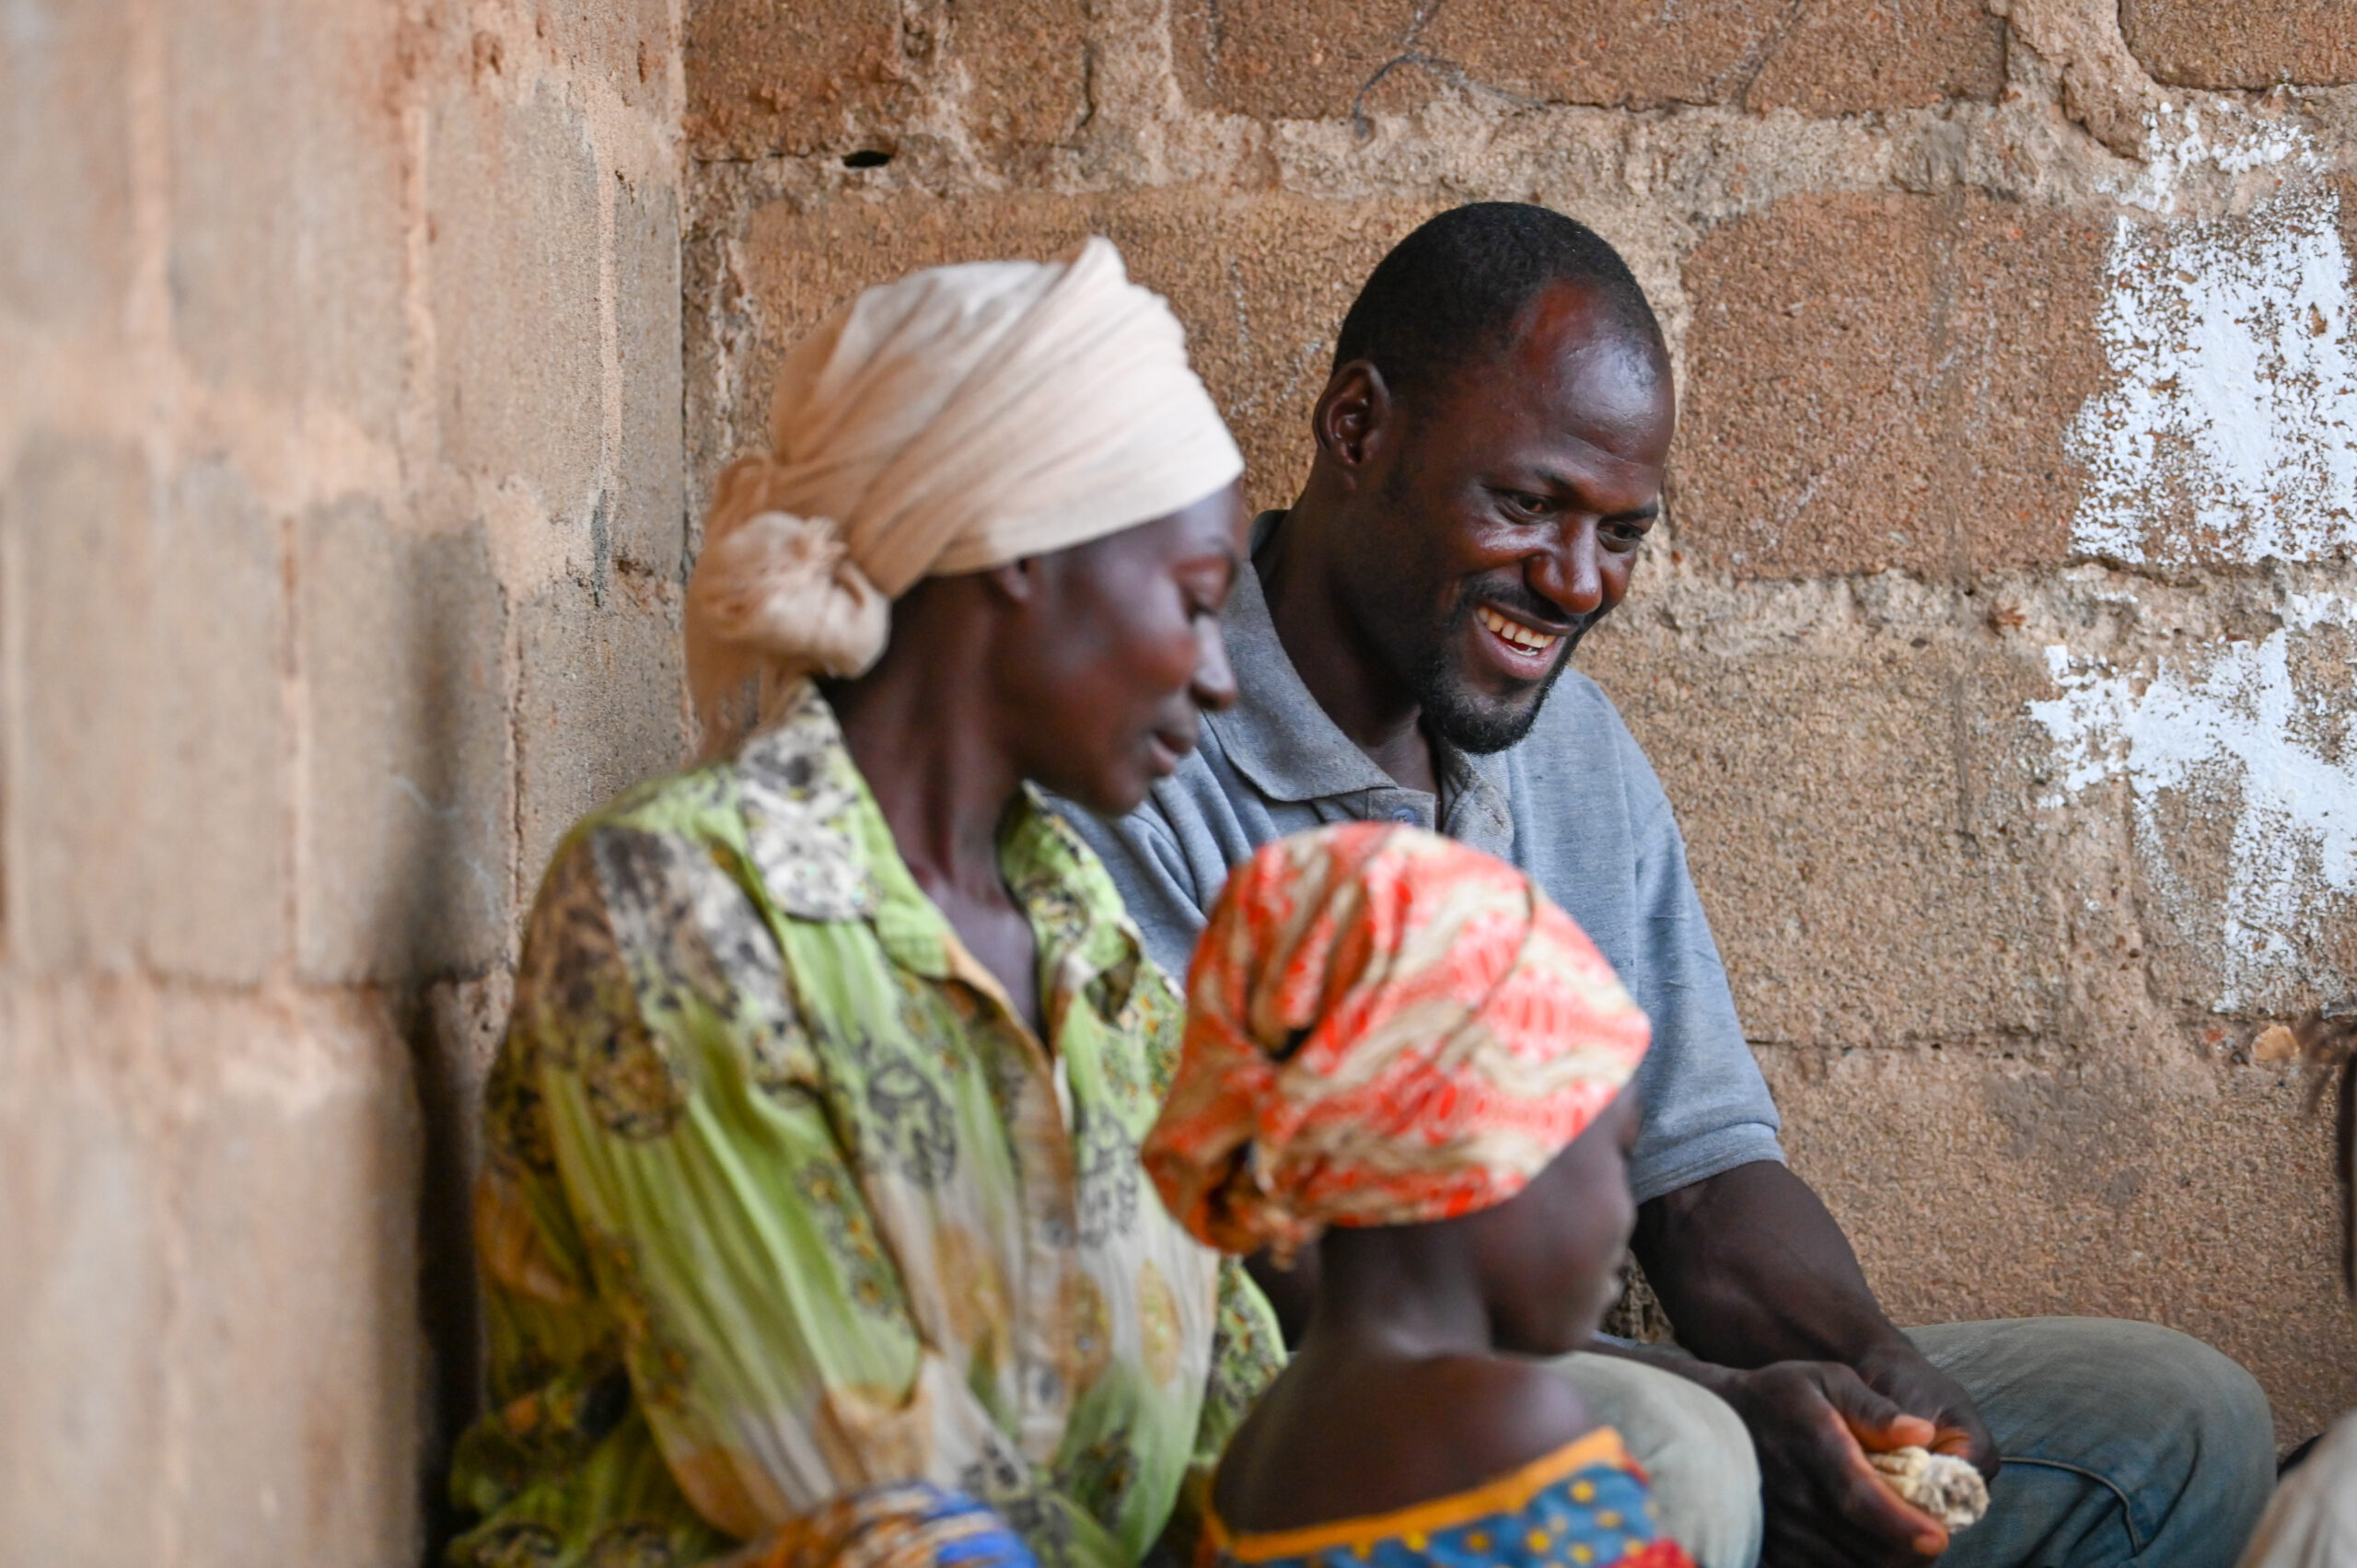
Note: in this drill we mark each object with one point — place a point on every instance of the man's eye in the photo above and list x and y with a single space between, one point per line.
1535 504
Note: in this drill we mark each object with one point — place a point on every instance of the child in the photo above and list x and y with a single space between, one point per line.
2312 1523
1400 1051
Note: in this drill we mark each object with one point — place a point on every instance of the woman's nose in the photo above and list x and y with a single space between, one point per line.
1214 682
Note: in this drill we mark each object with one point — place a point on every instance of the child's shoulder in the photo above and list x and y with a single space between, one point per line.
1391 1435
1494 1414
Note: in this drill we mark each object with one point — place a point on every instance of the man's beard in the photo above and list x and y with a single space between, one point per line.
1470 721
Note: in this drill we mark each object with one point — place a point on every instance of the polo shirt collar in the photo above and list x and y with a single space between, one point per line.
1279 738
1276 735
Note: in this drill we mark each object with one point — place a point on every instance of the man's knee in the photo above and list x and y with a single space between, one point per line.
1705 1477
2225 1413
2179 1433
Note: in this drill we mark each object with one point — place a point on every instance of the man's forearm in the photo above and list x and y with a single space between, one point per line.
1752 1268
1720 1380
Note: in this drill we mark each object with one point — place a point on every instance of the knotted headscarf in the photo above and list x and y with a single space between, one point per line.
958 419
1384 1027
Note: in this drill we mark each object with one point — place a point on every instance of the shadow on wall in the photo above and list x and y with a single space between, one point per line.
451 1049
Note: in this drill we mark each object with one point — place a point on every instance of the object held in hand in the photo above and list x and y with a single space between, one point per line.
1942 1485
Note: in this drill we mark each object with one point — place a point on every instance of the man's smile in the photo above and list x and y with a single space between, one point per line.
1528 650
1529 639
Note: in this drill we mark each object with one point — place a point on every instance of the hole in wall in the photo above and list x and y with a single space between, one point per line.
867 157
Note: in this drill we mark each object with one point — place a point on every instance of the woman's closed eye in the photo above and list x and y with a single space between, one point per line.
1206 591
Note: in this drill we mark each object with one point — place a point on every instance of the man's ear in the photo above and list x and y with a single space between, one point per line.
1352 415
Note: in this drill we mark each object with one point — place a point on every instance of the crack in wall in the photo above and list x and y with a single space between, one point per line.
1413 56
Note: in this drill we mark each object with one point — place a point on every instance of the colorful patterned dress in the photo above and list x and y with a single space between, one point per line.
1585 1506
783 1203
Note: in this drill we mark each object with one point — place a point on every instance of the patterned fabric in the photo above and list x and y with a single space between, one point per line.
1384 1027
1585 1506
911 1525
783 1201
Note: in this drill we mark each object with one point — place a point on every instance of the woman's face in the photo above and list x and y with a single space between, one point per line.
1550 1256
1117 652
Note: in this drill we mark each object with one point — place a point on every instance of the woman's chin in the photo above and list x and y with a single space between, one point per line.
1109 792
1116 785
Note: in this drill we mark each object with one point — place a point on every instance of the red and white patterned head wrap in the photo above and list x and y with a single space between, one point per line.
1384 1027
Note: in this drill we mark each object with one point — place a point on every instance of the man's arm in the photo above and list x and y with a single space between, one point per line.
1753 1271
1765 1290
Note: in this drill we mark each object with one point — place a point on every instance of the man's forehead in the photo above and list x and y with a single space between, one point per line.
1568 311
1571 331
1600 393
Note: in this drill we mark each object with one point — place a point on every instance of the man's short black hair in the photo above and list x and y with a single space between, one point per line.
1450 293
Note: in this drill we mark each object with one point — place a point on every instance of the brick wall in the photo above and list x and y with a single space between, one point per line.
341 512
1997 647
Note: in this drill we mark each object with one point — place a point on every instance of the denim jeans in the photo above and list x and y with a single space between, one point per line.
2123 1443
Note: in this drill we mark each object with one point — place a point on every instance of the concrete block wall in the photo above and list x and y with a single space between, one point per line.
359 366
1998 644
340 550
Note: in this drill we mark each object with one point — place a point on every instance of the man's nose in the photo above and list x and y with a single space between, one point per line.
1569 576
1215 684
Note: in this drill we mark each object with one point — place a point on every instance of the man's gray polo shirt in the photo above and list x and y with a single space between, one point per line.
1575 805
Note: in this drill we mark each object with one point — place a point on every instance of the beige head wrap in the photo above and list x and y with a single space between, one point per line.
955 420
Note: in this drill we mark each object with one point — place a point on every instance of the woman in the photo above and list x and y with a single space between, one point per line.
1399 1051
812 1191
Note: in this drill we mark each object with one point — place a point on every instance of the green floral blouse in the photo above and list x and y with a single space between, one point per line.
782 1199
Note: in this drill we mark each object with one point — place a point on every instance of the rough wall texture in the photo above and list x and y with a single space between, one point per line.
1998 645
341 537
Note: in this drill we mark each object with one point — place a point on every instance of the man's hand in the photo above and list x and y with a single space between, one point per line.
1898 1371
1811 1423
1756 1274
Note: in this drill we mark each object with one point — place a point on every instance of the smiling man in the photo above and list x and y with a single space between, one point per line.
1491 447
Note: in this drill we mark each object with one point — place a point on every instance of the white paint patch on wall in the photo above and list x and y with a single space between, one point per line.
2230 432
2178 149
2228 436
2230 736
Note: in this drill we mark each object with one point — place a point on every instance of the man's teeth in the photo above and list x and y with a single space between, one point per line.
1516 633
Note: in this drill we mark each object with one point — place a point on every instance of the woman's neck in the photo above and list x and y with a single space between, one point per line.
933 744
938 775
